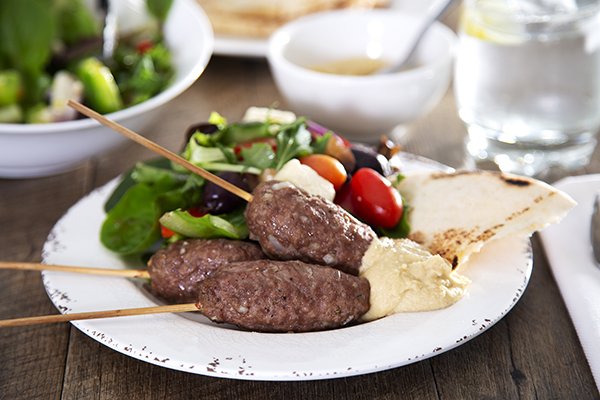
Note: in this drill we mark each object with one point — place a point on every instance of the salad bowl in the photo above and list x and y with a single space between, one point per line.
35 150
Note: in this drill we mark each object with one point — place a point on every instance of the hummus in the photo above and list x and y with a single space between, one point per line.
405 277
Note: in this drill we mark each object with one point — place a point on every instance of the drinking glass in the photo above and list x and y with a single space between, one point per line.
527 82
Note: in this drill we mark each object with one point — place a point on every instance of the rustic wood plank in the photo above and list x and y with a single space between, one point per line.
478 369
532 353
548 359
36 355
123 377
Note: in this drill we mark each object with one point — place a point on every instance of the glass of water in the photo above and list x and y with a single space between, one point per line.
527 82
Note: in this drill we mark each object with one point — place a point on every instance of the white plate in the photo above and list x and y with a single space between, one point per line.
240 46
500 275
251 47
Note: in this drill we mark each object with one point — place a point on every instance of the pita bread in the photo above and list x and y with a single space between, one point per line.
259 18
455 214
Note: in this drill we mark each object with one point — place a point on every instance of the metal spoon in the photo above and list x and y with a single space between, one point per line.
434 12
109 30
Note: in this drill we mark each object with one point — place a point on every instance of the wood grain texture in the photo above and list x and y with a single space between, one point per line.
33 359
541 322
533 353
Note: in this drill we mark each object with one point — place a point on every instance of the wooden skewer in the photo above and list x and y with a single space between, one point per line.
125 273
49 319
159 150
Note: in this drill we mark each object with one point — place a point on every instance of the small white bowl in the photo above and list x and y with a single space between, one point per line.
360 107
33 150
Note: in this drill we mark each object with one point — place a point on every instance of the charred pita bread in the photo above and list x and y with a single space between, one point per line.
455 214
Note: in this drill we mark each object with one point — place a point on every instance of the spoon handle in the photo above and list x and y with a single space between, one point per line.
433 13
109 29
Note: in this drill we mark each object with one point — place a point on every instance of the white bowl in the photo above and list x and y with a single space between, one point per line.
360 107
32 150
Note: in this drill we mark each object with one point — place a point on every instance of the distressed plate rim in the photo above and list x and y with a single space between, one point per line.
500 274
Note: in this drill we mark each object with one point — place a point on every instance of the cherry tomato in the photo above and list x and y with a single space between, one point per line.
328 167
343 198
374 199
166 232
144 46
339 148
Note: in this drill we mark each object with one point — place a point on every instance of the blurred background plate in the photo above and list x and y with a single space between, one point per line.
257 47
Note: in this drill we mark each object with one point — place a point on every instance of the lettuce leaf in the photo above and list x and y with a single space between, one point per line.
231 226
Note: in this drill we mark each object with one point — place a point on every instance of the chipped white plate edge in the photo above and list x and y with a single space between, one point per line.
500 275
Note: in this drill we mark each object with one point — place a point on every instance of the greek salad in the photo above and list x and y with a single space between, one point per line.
51 51
161 202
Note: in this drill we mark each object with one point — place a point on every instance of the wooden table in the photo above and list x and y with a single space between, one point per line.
533 353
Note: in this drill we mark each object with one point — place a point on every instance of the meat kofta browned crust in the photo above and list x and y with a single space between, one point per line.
176 270
283 296
290 224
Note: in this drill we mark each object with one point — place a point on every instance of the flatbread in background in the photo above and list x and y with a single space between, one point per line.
455 214
259 18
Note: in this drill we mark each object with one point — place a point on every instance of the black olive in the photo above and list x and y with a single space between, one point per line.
216 200
203 127
366 157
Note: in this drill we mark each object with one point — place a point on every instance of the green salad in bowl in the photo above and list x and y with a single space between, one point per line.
54 53
57 55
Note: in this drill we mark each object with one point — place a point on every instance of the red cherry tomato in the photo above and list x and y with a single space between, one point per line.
374 199
340 149
343 198
166 232
144 46
328 167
